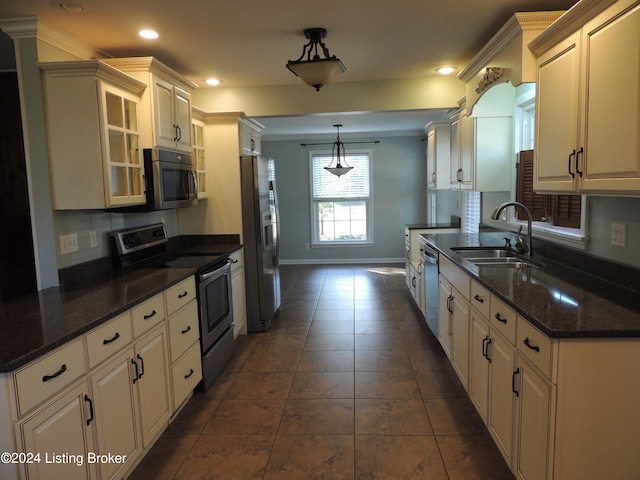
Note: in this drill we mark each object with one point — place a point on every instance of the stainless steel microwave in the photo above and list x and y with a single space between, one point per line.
171 180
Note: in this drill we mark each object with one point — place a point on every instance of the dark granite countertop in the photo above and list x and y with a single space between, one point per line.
35 324
561 301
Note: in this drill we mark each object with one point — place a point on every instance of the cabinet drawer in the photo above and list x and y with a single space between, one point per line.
455 276
147 315
535 346
107 339
41 379
181 294
183 330
186 374
503 319
480 299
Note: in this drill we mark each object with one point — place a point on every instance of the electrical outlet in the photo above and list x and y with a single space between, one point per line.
618 234
93 239
68 243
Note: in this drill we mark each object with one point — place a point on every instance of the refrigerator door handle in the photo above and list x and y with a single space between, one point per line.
276 250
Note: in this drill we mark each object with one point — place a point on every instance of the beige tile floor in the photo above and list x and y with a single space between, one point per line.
348 384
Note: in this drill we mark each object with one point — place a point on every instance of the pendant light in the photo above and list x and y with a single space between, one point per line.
338 154
316 71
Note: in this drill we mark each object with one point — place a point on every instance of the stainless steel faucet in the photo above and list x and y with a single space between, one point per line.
522 246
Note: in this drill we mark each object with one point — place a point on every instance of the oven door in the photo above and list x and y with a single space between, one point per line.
215 303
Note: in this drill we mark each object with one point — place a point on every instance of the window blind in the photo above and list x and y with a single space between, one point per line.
353 185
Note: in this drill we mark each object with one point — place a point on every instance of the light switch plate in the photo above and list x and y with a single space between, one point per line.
618 234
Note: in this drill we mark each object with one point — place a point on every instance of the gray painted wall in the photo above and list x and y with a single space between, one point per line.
398 189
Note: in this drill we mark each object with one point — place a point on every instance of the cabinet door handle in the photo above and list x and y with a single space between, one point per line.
90 402
179 131
572 154
112 339
578 153
500 319
189 374
478 298
141 366
484 346
152 314
186 329
63 369
137 376
487 353
513 382
184 294
449 307
527 342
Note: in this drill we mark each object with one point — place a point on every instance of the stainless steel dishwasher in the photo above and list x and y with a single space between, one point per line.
429 284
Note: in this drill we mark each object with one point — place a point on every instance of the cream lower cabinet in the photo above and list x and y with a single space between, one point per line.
131 400
533 421
239 293
114 407
64 427
453 318
560 409
109 392
492 363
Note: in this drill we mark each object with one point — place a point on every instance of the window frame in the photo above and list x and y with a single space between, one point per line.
315 230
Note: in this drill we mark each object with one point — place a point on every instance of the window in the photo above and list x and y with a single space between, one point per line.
470 211
341 205
559 210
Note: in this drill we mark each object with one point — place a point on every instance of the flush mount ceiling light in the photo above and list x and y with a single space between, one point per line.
338 154
316 71
213 82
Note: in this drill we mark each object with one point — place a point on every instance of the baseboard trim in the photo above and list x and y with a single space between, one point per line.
340 261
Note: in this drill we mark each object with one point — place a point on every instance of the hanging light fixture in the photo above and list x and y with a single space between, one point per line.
338 154
316 70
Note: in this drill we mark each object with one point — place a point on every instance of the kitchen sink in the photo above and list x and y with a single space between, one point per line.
495 257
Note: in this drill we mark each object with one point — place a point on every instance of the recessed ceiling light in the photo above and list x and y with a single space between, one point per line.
148 34
71 7
213 81
445 70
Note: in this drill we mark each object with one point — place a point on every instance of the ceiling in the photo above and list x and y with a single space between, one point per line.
248 42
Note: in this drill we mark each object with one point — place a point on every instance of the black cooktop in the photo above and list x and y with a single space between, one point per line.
147 247
201 263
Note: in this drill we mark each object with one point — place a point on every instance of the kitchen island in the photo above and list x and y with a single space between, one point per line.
548 355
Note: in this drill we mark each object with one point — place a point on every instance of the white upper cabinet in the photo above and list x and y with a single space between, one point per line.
93 127
166 104
482 143
250 137
197 137
587 118
438 154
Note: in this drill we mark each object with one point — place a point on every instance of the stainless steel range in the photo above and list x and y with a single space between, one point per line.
146 247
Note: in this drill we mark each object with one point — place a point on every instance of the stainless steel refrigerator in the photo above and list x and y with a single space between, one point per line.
261 241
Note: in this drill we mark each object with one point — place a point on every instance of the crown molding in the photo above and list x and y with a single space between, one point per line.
570 22
517 24
151 64
93 68
32 27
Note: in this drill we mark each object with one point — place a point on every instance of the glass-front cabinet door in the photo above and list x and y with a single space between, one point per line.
197 137
124 166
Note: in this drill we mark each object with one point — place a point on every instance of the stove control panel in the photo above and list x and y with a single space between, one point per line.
139 238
